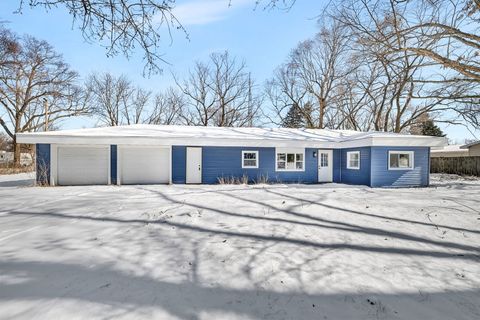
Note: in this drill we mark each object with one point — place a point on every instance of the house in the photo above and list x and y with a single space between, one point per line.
450 151
458 150
150 154
473 148
7 157
3 156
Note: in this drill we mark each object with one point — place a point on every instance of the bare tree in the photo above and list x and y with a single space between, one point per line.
403 38
233 87
220 93
121 25
285 93
136 105
107 95
4 142
168 108
311 78
199 96
115 101
32 77
321 64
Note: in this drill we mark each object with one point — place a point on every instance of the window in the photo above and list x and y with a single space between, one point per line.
249 159
290 161
353 160
400 160
323 159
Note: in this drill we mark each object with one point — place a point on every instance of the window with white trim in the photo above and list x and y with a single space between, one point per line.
249 159
353 160
400 160
290 161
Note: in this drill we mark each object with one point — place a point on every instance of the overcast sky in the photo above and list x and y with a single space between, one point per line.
263 38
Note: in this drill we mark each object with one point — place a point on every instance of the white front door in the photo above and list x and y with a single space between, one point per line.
325 165
194 165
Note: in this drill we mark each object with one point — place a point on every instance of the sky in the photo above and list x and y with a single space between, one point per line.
264 38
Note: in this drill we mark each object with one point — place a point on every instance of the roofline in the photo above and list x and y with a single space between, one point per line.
471 144
419 141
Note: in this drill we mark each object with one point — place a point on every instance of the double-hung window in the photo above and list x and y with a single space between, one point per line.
400 160
290 160
249 159
353 160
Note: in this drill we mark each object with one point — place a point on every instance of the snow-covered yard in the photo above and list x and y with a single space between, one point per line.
240 252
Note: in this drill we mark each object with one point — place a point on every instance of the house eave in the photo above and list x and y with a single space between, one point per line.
34 138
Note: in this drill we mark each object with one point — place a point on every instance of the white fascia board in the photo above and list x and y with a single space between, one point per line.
414 141
420 141
155 141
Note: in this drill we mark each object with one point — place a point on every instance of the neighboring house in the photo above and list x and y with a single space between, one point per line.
147 154
472 148
450 151
457 150
6 157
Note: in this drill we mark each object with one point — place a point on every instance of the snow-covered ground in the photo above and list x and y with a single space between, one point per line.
240 252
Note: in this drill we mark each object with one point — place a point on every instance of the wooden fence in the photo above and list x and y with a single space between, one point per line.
457 165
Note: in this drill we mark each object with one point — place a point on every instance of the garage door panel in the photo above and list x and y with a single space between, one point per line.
82 165
145 165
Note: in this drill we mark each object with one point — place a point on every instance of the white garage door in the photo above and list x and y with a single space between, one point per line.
144 165
82 165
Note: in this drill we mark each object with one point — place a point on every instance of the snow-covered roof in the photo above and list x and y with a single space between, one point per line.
471 144
450 148
226 136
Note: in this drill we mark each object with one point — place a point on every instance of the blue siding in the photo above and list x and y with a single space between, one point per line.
354 176
43 163
227 162
382 177
179 164
113 164
337 165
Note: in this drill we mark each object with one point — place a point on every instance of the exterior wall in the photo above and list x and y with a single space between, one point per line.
227 162
113 164
474 151
382 177
337 165
43 163
179 164
356 176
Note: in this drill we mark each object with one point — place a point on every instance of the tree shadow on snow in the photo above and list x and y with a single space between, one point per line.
125 293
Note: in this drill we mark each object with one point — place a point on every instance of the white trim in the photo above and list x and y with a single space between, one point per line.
405 141
349 155
170 165
109 165
412 159
294 151
53 164
119 165
256 159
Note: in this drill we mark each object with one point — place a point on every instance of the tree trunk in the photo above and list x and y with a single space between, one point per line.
16 152
321 112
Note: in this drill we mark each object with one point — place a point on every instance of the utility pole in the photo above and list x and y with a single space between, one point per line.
45 106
